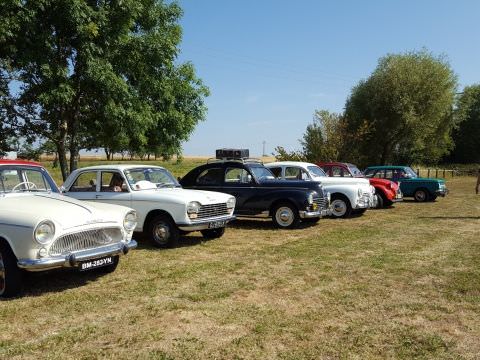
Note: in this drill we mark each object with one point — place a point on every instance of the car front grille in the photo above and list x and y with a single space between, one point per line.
213 210
322 203
365 198
84 240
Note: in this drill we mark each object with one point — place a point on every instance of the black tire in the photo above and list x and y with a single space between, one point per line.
421 195
213 233
341 206
380 199
109 268
163 232
285 216
10 273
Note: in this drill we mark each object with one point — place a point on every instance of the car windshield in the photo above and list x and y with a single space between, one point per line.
262 173
410 172
316 171
355 171
150 178
25 179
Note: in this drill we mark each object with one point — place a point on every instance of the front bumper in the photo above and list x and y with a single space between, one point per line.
74 259
205 224
442 192
308 214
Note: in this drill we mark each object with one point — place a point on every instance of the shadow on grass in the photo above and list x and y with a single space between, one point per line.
144 243
262 224
52 281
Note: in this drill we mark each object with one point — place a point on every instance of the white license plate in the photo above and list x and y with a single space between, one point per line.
216 224
92 264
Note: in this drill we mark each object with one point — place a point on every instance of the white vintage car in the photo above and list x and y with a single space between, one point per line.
164 209
348 195
40 229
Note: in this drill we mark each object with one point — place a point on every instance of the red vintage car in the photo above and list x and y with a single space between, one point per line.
387 191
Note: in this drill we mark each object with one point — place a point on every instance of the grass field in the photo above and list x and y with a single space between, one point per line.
395 283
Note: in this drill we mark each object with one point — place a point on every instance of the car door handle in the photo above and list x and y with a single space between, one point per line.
98 196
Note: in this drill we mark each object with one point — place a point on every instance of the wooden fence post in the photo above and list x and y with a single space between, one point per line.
428 173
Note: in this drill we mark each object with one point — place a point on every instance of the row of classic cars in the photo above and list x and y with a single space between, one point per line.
89 222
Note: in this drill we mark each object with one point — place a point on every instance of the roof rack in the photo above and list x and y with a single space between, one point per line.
240 160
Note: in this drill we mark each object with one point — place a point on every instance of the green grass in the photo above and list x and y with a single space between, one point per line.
398 283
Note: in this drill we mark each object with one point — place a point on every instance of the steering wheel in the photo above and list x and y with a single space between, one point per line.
30 185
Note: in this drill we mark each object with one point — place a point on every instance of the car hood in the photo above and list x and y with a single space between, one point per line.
28 209
326 180
380 182
180 195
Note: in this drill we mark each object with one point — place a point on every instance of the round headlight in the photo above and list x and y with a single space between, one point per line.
44 232
310 198
231 203
130 221
193 207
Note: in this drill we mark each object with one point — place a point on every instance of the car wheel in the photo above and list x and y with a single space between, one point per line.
380 200
163 232
109 268
10 274
213 233
420 195
285 216
341 207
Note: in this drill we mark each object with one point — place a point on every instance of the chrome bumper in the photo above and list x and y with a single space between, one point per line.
73 260
442 192
205 224
304 214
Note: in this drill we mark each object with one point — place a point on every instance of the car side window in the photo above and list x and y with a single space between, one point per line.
212 176
86 181
277 171
389 174
36 177
337 171
379 174
295 173
237 176
113 181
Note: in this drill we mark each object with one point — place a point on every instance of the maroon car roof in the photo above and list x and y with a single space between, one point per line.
18 162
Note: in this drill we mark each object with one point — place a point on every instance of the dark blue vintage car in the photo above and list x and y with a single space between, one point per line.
259 194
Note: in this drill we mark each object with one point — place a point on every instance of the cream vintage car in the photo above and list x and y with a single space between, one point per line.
164 209
40 229
348 195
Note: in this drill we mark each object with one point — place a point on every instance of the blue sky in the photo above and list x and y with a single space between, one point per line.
270 64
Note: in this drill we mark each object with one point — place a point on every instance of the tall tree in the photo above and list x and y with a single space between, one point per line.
323 139
403 111
467 136
88 72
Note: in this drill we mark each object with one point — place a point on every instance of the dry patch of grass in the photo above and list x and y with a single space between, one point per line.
396 283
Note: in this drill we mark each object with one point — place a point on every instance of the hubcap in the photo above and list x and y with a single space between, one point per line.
161 233
284 216
339 207
2 275
420 195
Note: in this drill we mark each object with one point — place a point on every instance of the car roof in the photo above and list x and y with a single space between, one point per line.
19 162
387 167
337 163
290 163
120 167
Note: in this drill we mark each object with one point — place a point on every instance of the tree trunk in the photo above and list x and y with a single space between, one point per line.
108 153
62 159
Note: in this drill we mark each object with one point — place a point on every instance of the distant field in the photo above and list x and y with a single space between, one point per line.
398 283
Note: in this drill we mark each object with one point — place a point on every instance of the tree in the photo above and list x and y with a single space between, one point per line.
323 139
403 112
97 73
467 136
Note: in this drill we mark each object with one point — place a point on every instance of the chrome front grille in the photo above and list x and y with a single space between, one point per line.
212 210
84 240
322 203
365 198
